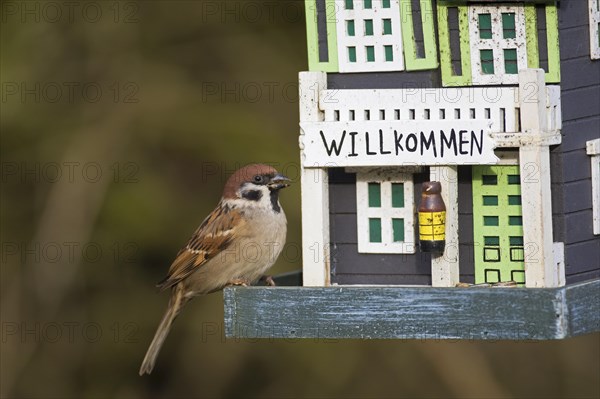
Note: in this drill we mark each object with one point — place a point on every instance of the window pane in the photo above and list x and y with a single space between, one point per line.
508 25
516 241
368 27
487 61
350 27
514 200
367 4
349 5
370 53
514 179
398 195
491 240
352 54
374 195
510 61
389 53
375 230
489 180
515 220
490 220
398 228
490 200
485 26
387 26
385 3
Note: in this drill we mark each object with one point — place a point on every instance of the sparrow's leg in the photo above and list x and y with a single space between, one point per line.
268 280
237 281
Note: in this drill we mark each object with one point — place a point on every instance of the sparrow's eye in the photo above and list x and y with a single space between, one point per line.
258 179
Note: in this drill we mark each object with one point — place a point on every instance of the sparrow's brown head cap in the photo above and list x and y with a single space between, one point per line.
247 174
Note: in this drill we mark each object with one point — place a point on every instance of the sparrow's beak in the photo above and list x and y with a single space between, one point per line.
278 182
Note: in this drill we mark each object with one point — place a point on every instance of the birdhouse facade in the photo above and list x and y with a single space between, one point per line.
498 101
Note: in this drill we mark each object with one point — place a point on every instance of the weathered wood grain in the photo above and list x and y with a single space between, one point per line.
413 313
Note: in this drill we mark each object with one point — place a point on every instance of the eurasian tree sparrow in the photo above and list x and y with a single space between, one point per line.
235 245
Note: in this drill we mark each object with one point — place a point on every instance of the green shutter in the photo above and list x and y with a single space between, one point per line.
349 4
398 229
370 53
508 26
368 27
485 26
385 3
375 230
387 26
389 53
350 27
374 195
397 195
487 61
368 4
352 54
497 224
510 61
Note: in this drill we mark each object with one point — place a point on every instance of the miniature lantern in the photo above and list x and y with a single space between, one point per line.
432 218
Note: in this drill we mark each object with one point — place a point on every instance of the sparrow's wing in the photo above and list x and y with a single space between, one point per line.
214 235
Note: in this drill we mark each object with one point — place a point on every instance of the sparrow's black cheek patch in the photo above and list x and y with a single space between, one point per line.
252 195
275 201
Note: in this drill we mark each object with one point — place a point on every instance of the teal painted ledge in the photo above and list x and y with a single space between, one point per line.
413 312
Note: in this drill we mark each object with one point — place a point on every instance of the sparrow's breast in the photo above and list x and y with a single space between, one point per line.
248 257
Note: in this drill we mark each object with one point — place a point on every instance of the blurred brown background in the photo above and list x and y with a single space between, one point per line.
119 123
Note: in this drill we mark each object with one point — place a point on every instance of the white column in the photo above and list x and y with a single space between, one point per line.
314 191
444 268
540 268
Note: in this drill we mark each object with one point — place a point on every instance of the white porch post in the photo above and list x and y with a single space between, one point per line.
534 160
314 191
444 268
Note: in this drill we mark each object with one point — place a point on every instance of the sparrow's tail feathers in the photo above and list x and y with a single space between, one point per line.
175 304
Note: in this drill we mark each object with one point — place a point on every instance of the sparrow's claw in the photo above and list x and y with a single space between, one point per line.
268 280
237 281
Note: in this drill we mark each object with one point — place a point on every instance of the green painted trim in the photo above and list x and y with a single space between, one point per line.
312 37
533 56
448 76
411 62
531 37
553 75
504 221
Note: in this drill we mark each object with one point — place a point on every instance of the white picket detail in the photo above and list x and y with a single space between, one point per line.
593 150
594 11
499 104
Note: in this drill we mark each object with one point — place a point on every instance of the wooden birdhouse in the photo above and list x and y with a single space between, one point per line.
499 102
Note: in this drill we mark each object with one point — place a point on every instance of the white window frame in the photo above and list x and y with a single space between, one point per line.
386 213
594 11
593 149
359 14
497 44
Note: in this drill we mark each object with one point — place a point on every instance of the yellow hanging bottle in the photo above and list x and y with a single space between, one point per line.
432 218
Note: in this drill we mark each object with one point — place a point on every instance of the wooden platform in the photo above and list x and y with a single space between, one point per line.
413 312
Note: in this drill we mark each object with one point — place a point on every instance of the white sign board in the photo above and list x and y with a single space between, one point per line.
391 143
